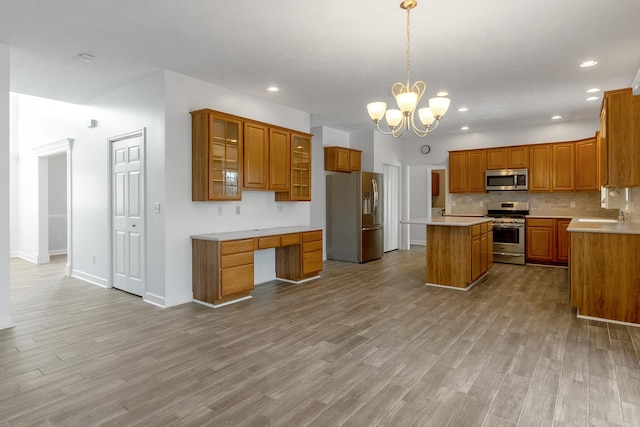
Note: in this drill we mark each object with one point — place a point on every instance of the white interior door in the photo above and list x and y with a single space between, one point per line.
128 212
391 206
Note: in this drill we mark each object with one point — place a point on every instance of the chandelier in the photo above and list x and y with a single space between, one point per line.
407 97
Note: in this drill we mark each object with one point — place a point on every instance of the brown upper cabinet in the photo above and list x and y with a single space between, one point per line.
231 153
587 174
507 158
342 159
620 138
540 167
300 184
563 159
216 151
466 171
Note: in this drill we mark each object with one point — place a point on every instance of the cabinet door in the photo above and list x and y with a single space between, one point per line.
279 160
497 158
477 166
587 165
342 156
484 252
603 171
355 160
563 166
562 240
539 172
457 172
216 172
256 156
300 167
540 240
518 157
476 256
621 131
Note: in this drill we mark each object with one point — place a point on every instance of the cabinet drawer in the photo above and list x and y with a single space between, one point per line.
540 222
236 246
236 279
290 239
312 246
475 230
269 242
311 262
311 236
235 260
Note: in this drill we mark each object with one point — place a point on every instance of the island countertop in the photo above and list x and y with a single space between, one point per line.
450 221
248 234
595 225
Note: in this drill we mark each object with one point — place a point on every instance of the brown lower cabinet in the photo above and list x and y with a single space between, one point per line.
547 241
223 271
605 275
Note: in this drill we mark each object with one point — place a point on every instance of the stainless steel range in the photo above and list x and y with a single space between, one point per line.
508 231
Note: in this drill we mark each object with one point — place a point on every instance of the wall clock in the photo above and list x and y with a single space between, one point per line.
425 149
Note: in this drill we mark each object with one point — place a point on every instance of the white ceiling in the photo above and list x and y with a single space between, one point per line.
511 62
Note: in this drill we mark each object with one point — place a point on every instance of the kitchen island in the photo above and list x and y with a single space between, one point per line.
459 250
604 269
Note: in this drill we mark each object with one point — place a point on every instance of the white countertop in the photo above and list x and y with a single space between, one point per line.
603 227
451 221
248 234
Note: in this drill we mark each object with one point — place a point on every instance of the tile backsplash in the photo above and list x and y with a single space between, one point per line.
634 205
566 203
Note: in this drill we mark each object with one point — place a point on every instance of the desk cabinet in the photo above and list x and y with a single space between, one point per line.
223 271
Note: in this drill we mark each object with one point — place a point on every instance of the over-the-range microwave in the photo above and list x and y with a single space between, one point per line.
506 179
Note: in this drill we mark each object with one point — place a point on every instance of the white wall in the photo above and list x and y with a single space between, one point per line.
5 295
38 122
13 174
257 208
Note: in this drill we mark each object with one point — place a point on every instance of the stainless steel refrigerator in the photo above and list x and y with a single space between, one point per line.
355 216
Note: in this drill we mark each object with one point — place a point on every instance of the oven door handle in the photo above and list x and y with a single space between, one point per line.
507 254
512 225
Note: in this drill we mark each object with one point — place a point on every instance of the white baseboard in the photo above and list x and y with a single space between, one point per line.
57 252
154 299
95 280
25 256
419 242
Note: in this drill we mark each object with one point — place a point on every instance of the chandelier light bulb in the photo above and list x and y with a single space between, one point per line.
426 116
439 106
376 110
407 101
394 117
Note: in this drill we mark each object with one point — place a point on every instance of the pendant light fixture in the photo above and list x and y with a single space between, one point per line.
407 97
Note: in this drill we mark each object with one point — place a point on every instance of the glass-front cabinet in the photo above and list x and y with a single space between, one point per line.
217 156
300 167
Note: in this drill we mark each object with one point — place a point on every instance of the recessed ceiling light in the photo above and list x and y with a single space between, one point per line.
273 89
593 98
463 109
85 57
442 93
464 128
587 64
594 90
556 117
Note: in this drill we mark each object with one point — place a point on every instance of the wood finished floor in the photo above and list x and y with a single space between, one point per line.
365 345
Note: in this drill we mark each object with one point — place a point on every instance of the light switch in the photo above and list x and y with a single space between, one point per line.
156 207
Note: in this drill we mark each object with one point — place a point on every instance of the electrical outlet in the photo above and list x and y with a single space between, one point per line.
453 203
572 204
220 210
237 210
59 237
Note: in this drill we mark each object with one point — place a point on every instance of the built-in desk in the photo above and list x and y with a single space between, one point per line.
223 267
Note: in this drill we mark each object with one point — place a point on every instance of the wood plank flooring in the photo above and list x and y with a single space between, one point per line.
365 345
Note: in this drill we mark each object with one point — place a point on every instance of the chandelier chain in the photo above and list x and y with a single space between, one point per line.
408 47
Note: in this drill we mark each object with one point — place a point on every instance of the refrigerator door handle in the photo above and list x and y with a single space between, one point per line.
374 188
371 228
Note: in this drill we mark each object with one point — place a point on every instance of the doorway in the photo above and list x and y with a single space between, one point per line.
54 201
127 212
391 207
426 197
